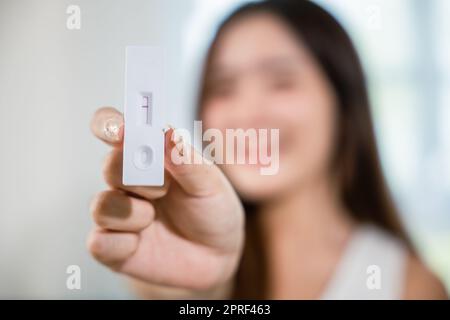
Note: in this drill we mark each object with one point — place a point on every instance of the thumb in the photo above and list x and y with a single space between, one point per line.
196 175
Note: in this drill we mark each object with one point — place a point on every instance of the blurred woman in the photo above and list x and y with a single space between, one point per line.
324 227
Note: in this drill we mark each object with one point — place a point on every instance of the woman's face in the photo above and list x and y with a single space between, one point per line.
262 77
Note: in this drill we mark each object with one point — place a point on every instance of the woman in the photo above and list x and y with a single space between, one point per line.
323 227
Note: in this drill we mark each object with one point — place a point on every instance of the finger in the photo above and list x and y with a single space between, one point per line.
107 125
114 210
196 175
112 172
112 248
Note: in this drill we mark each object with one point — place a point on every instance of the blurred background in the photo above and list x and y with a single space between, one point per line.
52 79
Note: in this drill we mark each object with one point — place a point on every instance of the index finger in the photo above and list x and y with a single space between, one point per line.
107 125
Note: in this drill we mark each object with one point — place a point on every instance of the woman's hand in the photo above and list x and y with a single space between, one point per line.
187 234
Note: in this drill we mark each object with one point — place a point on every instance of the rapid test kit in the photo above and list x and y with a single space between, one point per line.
143 151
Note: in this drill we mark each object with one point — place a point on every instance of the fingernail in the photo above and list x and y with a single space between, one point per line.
111 129
178 141
167 128
176 137
180 148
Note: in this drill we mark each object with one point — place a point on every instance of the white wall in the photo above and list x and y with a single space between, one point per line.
51 81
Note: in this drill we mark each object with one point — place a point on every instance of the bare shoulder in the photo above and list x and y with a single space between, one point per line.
421 282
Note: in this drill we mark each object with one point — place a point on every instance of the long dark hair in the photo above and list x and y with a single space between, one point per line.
363 189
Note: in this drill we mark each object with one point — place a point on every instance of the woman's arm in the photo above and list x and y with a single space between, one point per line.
186 234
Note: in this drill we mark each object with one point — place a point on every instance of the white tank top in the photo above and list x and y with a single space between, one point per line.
372 267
